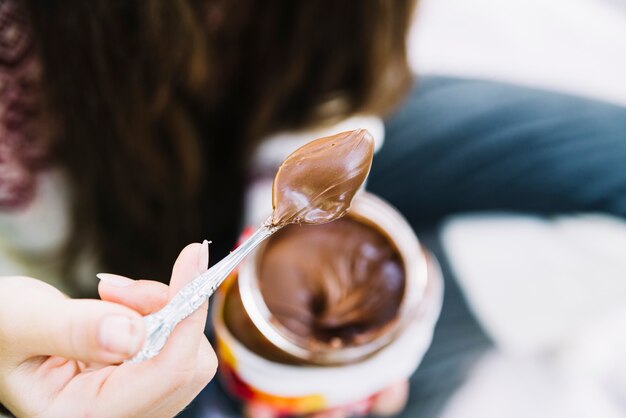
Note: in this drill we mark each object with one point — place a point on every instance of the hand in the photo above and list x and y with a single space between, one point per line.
61 357
388 402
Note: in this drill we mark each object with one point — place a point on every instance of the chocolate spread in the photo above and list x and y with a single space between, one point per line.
317 182
339 283
334 283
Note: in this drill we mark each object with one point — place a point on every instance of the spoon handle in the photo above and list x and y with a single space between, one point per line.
160 324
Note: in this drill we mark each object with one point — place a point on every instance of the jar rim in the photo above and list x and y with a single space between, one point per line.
374 211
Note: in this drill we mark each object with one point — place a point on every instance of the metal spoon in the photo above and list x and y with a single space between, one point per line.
160 324
315 184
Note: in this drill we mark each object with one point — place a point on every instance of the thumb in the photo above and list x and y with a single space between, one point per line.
85 330
92 331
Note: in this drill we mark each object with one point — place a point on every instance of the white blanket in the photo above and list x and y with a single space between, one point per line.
576 46
550 292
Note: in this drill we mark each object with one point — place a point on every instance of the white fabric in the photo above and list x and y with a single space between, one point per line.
520 387
534 282
584 379
576 46
549 292
31 239
552 295
42 226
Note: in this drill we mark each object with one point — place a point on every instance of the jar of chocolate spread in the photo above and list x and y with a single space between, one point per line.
326 316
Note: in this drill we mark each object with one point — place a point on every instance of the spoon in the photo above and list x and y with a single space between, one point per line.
315 184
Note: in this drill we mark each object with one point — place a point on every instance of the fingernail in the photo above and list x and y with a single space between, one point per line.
114 279
257 410
121 335
203 258
391 401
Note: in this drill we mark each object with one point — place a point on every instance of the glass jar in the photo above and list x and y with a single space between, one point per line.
261 360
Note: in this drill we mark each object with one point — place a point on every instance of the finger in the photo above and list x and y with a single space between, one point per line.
42 322
335 413
144 296
192 261
182 346
258 410
392 400
206 366
136 387
187 360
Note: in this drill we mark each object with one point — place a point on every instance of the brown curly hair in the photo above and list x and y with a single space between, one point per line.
159 103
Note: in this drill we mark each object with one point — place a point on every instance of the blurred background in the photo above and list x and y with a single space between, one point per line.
507 156
572 46
549 292
535 305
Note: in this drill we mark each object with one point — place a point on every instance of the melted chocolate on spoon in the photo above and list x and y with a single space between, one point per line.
317 182
345 295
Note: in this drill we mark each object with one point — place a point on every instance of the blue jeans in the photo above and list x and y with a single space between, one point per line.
461 145
465 145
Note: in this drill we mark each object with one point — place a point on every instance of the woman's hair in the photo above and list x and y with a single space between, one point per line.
158 104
